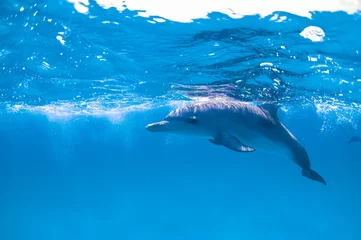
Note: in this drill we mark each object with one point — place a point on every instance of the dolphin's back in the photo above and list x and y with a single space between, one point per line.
217 108
245 119
234 113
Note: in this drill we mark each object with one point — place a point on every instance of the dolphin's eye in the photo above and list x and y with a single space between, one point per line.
191 120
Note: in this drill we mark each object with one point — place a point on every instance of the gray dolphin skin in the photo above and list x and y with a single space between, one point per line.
355 139
239 126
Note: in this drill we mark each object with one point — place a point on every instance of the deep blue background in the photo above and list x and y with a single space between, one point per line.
89 178
77 163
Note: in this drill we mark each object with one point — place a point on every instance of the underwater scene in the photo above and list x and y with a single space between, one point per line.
170 120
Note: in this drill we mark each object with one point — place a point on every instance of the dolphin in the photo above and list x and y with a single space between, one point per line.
239 126
355 139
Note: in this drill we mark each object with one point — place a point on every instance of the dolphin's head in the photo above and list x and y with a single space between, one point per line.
180 121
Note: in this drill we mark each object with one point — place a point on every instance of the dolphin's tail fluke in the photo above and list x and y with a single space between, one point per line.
309 173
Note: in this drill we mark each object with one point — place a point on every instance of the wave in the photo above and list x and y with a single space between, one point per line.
70 58
187 11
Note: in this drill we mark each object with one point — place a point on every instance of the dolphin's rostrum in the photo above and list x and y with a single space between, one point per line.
239 126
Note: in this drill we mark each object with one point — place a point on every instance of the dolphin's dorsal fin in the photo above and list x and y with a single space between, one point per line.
271 108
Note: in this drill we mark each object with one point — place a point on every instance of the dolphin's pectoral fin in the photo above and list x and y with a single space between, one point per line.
235 145
214 141
231 142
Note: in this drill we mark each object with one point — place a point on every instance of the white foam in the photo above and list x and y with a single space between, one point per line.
115 111
314 33
334 112
67 110
80 5
60 39
331 111
187 10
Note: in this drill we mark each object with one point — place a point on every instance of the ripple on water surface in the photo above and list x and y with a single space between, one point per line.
102 57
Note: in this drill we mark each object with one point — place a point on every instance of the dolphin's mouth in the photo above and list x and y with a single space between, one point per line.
158 126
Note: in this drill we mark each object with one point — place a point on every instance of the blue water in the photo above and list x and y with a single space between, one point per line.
77 163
